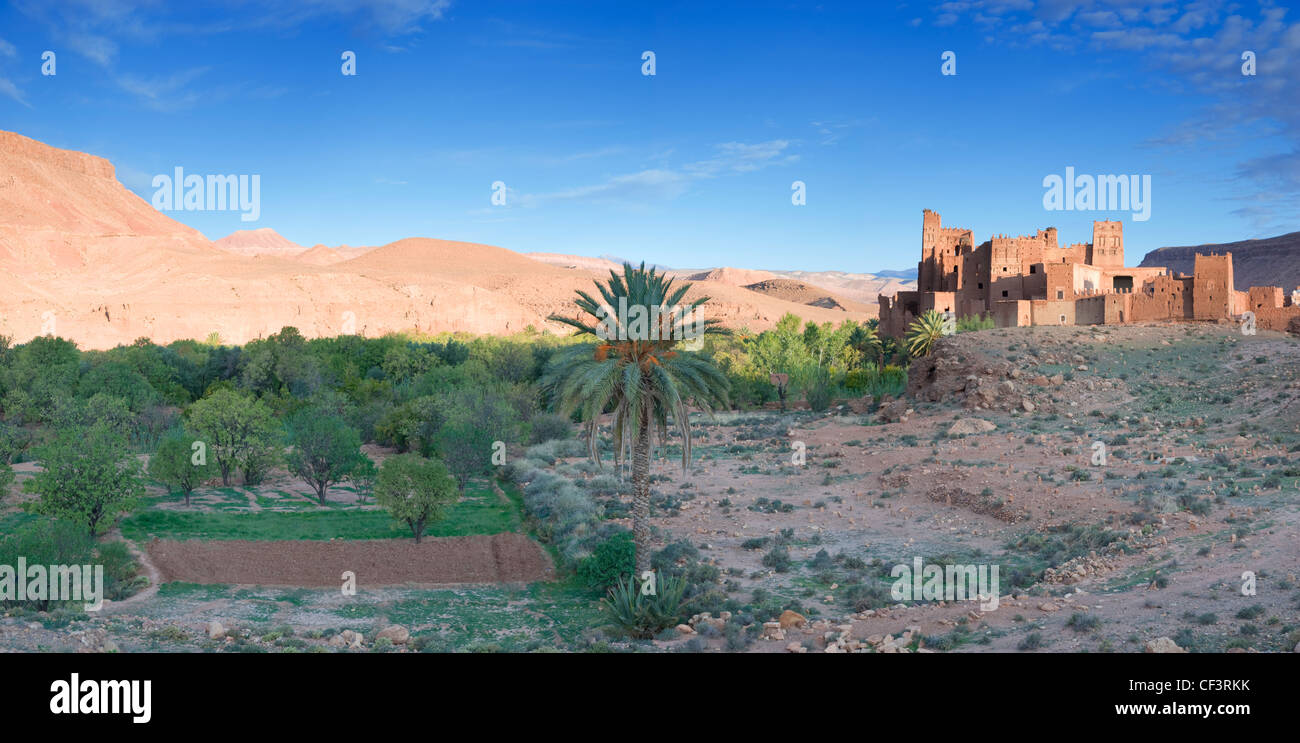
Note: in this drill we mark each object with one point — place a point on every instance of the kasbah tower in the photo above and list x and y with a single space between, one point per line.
1033 280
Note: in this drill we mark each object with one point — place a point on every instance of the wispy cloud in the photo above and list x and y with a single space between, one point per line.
666 183
7 88
97 30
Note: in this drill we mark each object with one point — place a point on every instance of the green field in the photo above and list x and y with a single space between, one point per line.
481 512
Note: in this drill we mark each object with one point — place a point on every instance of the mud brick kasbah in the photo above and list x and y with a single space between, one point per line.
1033 280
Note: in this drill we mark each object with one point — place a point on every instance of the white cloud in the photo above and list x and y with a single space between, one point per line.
665 183
9 89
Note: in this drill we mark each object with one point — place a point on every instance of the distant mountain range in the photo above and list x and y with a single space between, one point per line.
907 274
1269 261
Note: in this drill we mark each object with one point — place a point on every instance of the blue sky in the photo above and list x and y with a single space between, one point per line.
692 166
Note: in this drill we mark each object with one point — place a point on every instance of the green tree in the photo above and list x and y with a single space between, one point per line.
415 491
178 466
88 475
238 430
476 418
865 340
923 333
326 450
363 478
637 370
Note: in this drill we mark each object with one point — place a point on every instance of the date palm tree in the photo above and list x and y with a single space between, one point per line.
638 369
923 333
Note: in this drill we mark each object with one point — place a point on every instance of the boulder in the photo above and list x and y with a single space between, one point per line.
790 619
1163 645
967 426
396 634
216 630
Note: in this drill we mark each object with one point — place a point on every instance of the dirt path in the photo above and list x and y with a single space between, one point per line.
147 567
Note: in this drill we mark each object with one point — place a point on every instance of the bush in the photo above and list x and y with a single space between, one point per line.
612 559
778 559
549 426
818 391
53 542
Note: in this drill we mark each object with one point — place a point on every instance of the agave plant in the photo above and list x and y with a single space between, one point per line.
643 616
638 370
923 333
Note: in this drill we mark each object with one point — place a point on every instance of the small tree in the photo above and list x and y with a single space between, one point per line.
88 475
363 478
415 490
175 464
467 449
239 430
325 450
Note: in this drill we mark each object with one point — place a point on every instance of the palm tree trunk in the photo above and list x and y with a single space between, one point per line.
641 494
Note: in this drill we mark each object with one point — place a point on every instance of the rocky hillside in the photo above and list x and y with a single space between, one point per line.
1271 261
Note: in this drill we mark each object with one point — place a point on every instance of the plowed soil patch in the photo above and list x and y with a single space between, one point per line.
496 558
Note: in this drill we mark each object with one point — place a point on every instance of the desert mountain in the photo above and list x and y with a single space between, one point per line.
263 241
63 212
732 276
801 293
87 259
859 287
578 262
320 255
1271 261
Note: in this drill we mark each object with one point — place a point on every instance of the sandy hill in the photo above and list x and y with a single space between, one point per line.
1270 261
859 287
728 275
580 262
85 258
801 293
263 241
320 255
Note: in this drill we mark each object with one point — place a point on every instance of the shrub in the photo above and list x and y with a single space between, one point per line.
778 559
52 542
549 426
612 559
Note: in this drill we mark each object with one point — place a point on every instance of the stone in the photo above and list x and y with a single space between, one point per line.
216 630
1163 645
685 629
1048 607
396 634
790 619
967 426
